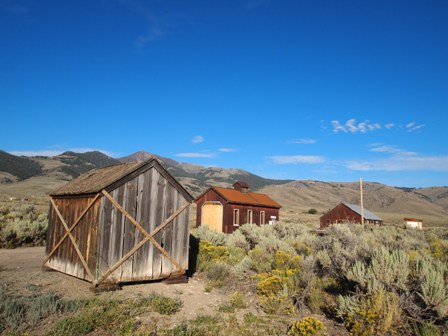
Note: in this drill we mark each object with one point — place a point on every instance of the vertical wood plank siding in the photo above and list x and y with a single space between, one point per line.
150 199
105 235
65 258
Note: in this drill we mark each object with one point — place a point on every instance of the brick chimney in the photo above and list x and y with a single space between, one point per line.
241 186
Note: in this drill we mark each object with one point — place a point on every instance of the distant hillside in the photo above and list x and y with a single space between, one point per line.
17 168
69 165
24 177
391 203
197 178
76 164
65 166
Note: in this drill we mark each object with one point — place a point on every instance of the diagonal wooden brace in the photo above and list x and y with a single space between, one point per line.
148 237
72 227
75 245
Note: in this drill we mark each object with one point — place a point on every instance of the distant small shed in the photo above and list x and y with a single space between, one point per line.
414 223
348 213
224 210
122 223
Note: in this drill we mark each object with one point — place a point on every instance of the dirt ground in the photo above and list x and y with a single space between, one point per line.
22 267
21 271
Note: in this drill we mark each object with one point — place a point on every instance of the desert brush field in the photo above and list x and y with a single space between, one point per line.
289 278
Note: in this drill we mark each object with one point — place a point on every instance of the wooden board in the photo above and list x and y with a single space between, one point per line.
212 216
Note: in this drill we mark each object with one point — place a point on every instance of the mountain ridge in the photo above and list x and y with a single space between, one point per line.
296 197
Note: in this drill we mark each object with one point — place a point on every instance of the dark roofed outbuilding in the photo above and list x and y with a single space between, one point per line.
349 213
122 223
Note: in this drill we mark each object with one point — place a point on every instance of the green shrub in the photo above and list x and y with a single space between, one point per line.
23 225
378 313
387 270
81 324
237 300
20 313
275 291
431 275
217 274
261 261
312 211
164 305
308 326
439 249
203 232
426 329
210 253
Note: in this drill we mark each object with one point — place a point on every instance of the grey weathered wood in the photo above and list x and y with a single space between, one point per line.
167 265
143 201
122 238
149 237
104 236
129 229
153 218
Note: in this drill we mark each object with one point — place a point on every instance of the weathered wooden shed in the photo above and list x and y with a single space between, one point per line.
348 213
224 210
122 223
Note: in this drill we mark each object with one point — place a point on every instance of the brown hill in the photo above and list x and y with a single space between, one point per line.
27 177
390 203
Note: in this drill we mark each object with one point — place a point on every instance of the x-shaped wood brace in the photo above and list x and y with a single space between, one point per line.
148 236
69 234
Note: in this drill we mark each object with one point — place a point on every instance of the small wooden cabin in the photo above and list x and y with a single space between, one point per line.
414 223
348 213
122 223
224 210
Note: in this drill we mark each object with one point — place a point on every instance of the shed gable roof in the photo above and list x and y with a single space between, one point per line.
251 198
367 214
96 180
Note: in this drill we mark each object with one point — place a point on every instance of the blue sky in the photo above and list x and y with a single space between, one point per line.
330 90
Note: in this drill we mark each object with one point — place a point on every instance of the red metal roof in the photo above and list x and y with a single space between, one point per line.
235 196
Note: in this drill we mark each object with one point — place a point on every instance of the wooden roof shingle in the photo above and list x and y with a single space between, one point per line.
96 180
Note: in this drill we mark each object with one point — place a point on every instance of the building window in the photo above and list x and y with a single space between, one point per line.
262 218
236 217
249 217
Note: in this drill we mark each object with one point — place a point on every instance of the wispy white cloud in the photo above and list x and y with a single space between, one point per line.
303 141
338 127
413 126
228 150
197 155
55 152
353 127
296 159
400 162
389 149
197 139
